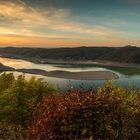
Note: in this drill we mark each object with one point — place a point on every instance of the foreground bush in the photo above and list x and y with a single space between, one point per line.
20 101
111 113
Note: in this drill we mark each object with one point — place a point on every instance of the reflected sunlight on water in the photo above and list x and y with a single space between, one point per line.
65 84
18 64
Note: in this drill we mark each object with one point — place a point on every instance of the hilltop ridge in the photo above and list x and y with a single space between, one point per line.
127 54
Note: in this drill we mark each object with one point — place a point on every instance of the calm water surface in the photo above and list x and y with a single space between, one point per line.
65 84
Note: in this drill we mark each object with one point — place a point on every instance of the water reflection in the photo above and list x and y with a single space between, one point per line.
65 84
18 64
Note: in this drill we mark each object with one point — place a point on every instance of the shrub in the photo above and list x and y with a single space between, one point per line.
20 100
6 81
111 113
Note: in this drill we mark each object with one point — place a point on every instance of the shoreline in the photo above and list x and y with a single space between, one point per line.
122 68
87 75
126 69
77 62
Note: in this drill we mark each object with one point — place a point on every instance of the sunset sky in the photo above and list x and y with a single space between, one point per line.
65 23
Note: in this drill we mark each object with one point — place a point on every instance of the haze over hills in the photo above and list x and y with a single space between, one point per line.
127 54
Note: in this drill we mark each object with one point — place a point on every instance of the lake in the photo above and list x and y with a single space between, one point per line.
65 84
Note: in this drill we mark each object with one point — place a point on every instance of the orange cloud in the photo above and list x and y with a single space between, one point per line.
29 19
20 26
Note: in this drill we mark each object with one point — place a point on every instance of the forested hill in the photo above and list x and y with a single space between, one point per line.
128 54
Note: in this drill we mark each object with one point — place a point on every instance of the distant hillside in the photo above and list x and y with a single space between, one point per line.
128 54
